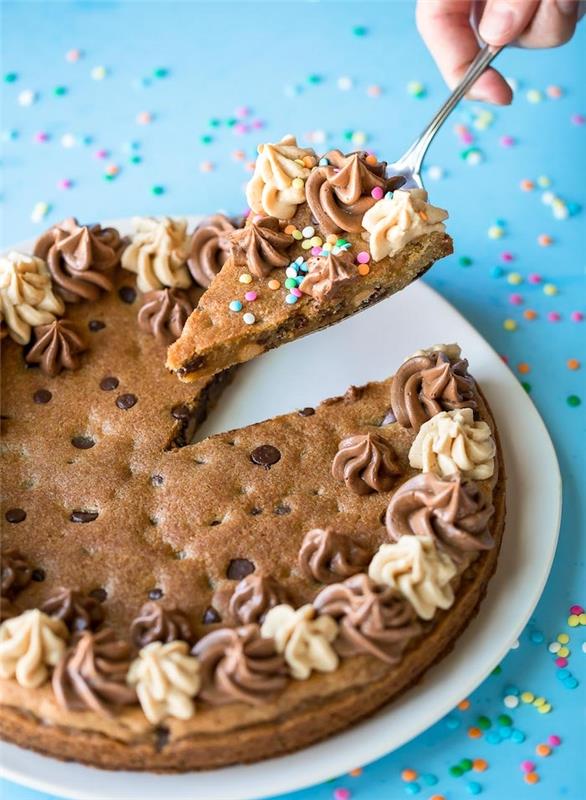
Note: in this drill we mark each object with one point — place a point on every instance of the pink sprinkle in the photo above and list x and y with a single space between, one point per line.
377 193
528 766
341 794
41 136
554 740
577 316
516 299
578 119
554 316
316 251
257 124
241 111
534 277
240 128
250 296
101 154
460 129
507 256
466 137
64 183
576 610
507 141
296 292
561 662
363 257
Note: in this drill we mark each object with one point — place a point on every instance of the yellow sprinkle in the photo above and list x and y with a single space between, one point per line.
544 709
515 278
573 620
273 284
495 232
297 235
316 241
297 183
245 278
582 619
300 162
564 652
550 289
539 701
510 325
332 238
527 697
563 638
306 245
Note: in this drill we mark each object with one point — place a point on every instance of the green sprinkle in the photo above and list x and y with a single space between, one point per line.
207 138
465 261
497 670
60 91
573 401
214 122
291 283
231 121
109 177
161 72
341 242
348 135
465 765
135 159
359 30
456 771
484 723
10 77
314 79
157 190
526 386
504 720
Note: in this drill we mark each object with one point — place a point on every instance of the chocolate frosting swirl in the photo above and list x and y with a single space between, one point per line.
427 384
238 664
366 463
163 314
210 247
80 612
328 556
79 258
154 623
327 274
261 246
91 676
373 619
56 347
7 609
453 512
253 596
339 194
15 575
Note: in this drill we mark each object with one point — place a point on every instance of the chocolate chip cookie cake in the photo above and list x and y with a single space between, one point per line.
172 605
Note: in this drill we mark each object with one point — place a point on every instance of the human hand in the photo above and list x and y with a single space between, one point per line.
446 28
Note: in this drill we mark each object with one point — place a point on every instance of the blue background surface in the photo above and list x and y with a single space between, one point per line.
222 56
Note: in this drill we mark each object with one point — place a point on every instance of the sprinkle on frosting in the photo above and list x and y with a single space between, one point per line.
78 611
452 351
278 184
425 385
253 596
210 247
158 253
166 679
26 295
453 442
393 222
155 623
56 347
373 619
304 639
80 258
451 511
327 556
29 645
91 676
239 665
366 463
416 568
327 274
163 314
261 246
15 575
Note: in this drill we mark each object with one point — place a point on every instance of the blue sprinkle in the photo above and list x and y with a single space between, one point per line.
323 162
517 736
412 788
429 779
291 299
501 222
570 682
562 674
505 732
291 272
497 272
235 305
473 787
537 637
452 722
299 261
574 208
510 689
389 196
493 737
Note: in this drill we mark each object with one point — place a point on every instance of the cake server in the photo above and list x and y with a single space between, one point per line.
409 165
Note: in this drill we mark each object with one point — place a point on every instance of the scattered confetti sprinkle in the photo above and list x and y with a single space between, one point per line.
27 98
157 190
98 73
416 89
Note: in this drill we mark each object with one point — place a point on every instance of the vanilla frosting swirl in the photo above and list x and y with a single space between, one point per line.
304 639
393 222
454 442
164 313
210 247
56 347
416 568
366 463
158 253
278 184
373 619
238 664
29 645
328 556
261 246
166 679
328 274
26 295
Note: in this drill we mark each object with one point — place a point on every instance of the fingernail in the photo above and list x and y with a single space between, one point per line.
498 22
567 7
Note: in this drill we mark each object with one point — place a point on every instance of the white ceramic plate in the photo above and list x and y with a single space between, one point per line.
369 346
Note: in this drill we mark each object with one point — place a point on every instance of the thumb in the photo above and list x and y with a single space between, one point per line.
504 20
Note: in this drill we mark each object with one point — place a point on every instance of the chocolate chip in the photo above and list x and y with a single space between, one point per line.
108 383
157 480
42 396
239 568
180 412
281 510
265 456
255 511
82 442
38 575
161 738
155 594
127 294
96 325
15 515
99 594
83 516
308 411
126 401
210 615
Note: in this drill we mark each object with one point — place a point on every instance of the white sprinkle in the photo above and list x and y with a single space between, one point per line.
584 647
345 83
554 647
68 140
435 173
40 211
547 198
98 73
249 318
308 232
515 645
27 97
511 701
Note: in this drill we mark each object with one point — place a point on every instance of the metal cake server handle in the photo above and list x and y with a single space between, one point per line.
409 165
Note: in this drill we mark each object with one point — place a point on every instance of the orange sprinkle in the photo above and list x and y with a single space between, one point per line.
474 733
543 750
573 363
531 777
527 185
544 240
371 159
464 705
356 773
523 368
363 269
479 765
238 155
423 216
250 166
438 797
530 314
408 775
290 229
308 161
